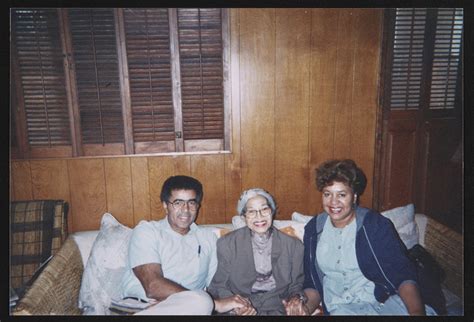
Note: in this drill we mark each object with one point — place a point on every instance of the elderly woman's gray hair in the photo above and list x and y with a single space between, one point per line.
248 194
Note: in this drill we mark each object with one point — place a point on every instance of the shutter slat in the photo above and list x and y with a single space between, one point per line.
200 46
35 33
149 64
446 58
407 62
97 78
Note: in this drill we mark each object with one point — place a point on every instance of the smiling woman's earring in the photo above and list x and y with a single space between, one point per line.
354 204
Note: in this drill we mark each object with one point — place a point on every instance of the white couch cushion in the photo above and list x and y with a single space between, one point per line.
296 216
105 267
404 220
421 222
84 240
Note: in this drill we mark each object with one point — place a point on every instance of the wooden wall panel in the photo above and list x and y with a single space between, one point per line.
50 179
303 90
209 170
88 193
182 165
344 83
159 170
293 30
257 97
140 189
118 179
322 95
233 177
364 98
20 181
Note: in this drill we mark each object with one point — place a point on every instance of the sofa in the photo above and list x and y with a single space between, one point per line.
89 263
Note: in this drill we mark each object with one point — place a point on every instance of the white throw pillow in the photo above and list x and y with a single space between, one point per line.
296 216
238 222
290 227
402 217
105 267
218 231
404 220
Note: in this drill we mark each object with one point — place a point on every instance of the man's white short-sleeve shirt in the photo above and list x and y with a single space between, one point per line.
189 260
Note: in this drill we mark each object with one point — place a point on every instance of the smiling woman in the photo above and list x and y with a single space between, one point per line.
258 263
341 183
340 270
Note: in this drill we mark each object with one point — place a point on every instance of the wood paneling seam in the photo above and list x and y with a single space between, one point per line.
353 47
274 98
335 89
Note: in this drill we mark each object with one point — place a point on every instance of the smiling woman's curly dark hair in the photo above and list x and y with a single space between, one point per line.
345 171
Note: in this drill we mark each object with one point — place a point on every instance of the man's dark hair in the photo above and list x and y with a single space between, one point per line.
181 183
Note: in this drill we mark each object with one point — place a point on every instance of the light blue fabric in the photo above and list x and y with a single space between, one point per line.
343 281
189 260
346 290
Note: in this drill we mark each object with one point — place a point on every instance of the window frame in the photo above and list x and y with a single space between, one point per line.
24 150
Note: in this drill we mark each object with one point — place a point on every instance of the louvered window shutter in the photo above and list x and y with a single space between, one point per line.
149 67
131 80
201 64
425 59
446 58
97 79
36 39
13 122
407 59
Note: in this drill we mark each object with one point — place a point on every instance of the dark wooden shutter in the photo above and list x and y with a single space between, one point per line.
422 123
149 67
39 61
97 79
102 79
407 59
446 58
13 127
201 64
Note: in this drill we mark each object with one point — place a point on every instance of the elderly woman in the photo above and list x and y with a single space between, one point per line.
354 261
258 263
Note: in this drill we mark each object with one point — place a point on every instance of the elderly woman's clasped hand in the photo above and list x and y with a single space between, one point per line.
236 304
296 305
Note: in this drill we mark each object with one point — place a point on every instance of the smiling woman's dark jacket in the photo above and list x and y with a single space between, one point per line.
381 255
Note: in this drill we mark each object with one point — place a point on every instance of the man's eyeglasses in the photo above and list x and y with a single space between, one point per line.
193 204
264 212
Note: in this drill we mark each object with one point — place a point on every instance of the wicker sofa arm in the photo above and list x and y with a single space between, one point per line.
446 246
56 290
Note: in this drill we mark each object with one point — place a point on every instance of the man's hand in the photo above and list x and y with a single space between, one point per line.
237 304
295 305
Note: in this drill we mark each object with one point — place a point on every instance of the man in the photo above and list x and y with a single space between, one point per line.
172 261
